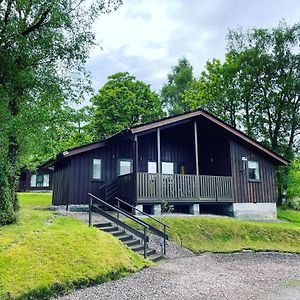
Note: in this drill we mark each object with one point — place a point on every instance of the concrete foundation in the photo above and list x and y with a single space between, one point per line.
140 207
156 209
195 209
255 211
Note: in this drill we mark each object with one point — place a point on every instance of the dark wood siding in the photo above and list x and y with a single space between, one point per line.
80 171
246 190
61 184
177 145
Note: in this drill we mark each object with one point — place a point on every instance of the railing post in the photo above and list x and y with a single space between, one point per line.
118 205
165 245
145 242
90 211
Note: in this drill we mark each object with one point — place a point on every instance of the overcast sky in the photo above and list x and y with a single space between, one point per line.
147 37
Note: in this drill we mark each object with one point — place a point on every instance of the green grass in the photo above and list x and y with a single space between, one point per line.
204 234
292 216
44 254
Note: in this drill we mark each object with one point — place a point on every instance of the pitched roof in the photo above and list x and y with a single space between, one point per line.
170 120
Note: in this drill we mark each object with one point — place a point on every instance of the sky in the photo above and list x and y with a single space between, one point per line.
148 37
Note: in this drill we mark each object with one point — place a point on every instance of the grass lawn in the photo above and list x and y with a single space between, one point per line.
206 234
292 216
44 254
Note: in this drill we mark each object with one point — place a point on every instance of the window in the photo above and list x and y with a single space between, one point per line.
125 166
167 167
96 169
152 167
39 180
253 170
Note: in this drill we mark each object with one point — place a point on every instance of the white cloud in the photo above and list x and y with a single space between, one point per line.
146 37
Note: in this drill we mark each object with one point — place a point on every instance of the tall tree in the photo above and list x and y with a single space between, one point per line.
43 48
262 67
121 103
179 80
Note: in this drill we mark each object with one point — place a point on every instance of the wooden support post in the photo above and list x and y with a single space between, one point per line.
145 242
196 159
165 245
135 168
159 183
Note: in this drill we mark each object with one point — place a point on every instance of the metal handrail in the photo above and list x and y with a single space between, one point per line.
119 211
153 228
142 212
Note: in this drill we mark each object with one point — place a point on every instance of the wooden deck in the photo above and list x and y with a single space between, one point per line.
181 188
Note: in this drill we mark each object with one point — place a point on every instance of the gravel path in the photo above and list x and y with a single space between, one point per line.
209 276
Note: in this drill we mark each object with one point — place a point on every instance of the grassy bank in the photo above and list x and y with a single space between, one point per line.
44 253
202 234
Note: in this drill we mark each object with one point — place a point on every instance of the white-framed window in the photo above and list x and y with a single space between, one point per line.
39 180
152 167
96 169
125 166
253 170
167 167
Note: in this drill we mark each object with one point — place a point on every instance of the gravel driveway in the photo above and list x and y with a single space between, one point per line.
208 276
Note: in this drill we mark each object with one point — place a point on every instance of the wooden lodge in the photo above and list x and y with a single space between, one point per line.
39 180
193 161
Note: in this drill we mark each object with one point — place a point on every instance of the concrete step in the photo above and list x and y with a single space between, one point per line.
149 252
120 232
155 257
100 225
125 237
138 247
110 229
132 242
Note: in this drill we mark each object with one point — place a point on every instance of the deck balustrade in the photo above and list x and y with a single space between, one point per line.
178 187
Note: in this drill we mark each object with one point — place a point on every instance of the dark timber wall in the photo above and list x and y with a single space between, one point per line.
77 175
246 190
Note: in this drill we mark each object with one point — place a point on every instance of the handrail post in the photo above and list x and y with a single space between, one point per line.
118 205
165 246
145 242
90 211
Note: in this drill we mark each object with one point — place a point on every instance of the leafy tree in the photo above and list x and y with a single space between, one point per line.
179 80
294 179
43 48
257 88
121 103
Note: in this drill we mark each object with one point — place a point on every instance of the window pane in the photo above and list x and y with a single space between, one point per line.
167 167
46 180
125 167
33 181
253 170
96 168
39 180
152 167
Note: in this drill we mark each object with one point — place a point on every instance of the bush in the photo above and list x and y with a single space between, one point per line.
292 203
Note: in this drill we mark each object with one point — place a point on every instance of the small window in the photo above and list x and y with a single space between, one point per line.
167 167
33 180
152 167
253 170
96 169
40 180
125 166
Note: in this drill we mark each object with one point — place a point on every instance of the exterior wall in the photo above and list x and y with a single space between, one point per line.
177 145
245 190
78 176
255 211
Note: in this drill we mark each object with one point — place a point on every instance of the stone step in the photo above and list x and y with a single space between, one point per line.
100 225
155 257
110 229
120 232
125 237
132 242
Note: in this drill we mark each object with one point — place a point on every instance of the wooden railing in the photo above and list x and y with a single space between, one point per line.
184 187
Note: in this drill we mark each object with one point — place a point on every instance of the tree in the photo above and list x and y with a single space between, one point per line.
259 85
43 48
179 80
121 103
